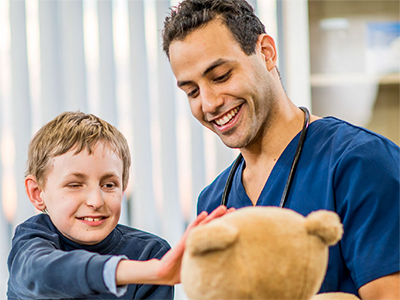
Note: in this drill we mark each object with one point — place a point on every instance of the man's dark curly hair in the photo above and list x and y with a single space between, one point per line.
190 15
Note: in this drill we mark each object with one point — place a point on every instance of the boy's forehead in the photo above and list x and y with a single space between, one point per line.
100 146
87 149
81 159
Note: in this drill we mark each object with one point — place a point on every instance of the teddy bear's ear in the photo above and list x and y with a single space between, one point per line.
210 237
326 225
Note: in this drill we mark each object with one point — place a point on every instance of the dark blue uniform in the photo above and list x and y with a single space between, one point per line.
346 169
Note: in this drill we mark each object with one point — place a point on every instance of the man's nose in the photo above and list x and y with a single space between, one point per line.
211 100
94 198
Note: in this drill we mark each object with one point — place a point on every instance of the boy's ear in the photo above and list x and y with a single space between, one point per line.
268 50
34 191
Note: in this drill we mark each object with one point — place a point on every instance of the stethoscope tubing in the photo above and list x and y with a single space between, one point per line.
289 180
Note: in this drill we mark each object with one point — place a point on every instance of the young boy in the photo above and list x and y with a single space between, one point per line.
77 172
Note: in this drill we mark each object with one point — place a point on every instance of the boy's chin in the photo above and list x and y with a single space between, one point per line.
89 238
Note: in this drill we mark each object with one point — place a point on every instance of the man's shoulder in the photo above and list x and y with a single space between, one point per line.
344 136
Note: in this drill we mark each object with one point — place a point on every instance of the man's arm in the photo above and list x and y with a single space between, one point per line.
387 288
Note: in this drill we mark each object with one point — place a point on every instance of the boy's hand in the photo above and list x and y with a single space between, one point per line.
167 270
170 264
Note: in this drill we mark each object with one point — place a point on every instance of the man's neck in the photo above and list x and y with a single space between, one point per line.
261 158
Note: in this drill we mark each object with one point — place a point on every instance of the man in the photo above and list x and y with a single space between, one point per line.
226 64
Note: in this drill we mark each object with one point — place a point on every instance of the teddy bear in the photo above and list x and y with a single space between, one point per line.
261 253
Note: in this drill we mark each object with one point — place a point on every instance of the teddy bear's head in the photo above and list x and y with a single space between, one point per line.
259 253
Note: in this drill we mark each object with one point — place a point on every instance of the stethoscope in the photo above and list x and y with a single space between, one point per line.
289 180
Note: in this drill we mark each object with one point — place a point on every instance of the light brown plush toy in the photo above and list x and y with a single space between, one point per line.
261 253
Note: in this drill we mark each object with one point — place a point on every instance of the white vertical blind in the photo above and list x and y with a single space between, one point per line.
171 210
296 51
73 64
51 100
143 209
21 105
106 70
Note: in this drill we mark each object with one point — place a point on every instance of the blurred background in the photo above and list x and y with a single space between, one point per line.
339 58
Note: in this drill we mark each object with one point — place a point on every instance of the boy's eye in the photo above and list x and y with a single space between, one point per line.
109 185
74 185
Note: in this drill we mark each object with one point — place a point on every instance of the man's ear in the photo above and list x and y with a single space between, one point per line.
268 50
34 192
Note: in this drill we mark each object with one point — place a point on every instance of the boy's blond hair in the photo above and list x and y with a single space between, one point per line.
74 130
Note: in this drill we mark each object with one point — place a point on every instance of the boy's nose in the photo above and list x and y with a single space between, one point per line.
94 198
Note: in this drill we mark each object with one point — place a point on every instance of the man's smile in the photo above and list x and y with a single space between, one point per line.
225 119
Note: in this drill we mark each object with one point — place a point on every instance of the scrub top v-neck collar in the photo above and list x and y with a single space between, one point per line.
274 184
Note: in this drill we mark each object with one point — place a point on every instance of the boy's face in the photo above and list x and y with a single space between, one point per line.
83 194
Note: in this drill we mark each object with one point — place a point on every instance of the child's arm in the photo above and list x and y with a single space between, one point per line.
39 269
167 270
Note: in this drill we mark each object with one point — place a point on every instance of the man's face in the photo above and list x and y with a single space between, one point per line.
83 194
229 92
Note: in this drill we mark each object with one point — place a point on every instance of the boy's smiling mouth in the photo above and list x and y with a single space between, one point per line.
93 220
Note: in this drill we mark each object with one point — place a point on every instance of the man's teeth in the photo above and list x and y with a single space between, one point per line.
92 219
225 119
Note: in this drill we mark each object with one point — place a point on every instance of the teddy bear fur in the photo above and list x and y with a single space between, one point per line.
260 253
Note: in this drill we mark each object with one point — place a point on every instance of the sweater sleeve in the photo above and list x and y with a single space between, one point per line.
39 270
110 269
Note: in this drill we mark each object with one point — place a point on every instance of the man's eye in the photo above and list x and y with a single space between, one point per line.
193 93
223 77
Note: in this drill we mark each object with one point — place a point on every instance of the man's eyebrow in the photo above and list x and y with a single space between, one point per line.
182 83
214 65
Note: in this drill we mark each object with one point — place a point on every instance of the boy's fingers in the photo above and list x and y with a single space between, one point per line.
216 213
198 220
202 218
203 215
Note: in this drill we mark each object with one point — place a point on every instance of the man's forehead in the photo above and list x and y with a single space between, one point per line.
209 34
202 48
